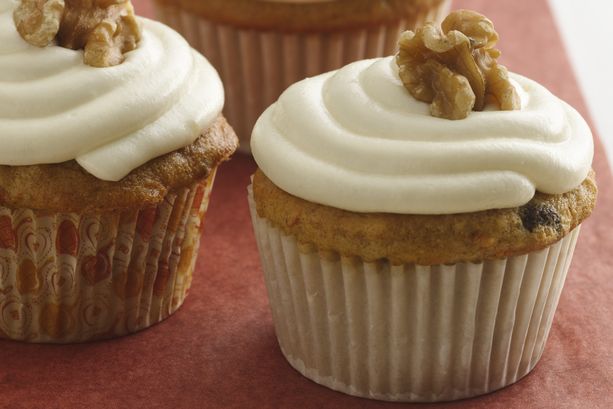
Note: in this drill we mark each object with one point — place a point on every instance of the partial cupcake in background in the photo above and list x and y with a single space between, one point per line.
260 47
108 158
409 256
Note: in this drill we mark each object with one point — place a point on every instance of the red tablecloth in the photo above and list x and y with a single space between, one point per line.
220 351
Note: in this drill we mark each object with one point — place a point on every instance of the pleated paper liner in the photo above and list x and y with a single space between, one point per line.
256 66
80 277
410 332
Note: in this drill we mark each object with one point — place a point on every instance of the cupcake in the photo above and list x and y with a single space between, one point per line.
260 47
416 217
111 136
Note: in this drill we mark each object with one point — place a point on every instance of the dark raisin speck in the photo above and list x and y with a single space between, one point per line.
534 215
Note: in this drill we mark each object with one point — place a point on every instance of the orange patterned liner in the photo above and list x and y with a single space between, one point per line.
67 277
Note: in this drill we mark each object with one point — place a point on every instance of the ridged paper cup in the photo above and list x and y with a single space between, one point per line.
410 332
67 277
256 66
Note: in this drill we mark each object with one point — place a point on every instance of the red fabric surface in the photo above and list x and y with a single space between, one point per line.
220 351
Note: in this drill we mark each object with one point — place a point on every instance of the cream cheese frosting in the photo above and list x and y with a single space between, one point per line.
356 139
54 108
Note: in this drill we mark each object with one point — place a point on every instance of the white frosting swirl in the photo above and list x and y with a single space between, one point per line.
356 139
54 108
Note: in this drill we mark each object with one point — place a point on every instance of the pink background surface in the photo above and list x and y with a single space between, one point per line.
220 351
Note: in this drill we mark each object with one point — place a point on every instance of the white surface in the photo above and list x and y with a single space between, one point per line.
587 30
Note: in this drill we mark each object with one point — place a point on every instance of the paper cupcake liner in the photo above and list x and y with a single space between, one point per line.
256 66
68 277
410 332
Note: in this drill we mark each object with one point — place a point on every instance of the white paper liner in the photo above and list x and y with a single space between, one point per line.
67 277
256 66
410 333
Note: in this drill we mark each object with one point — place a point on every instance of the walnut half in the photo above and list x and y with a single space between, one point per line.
454 66
105 29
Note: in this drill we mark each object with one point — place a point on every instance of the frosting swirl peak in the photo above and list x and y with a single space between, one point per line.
54 108
356 139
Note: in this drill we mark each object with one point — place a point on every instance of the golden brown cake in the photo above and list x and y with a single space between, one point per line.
67 187
261 47
427 239
307 16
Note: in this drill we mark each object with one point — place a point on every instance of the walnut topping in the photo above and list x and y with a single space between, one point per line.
105 29
454 67
39 21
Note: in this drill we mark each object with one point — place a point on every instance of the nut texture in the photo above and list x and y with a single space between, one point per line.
454 67
105 29
38 21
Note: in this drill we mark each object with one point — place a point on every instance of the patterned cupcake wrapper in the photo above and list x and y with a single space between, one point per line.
67 277
257 66
410 332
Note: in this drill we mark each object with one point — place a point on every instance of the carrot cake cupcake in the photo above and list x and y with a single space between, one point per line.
111 133
416 217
